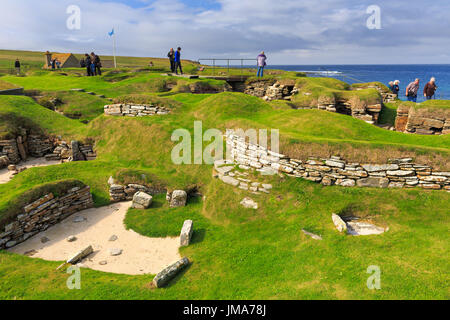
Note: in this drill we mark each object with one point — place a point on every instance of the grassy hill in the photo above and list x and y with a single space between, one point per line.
236 253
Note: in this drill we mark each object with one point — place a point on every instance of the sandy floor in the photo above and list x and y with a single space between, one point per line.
140 254
6 175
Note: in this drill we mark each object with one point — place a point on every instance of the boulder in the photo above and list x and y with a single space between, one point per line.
141 200
339 223
357 228
164 277
186 233
178 199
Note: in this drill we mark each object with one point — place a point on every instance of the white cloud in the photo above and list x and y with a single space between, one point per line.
290 31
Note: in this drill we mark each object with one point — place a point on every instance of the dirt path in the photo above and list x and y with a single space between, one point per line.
6 175
140 255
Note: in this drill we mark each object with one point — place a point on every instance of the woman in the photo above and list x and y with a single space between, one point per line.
430 89
93 65
261 64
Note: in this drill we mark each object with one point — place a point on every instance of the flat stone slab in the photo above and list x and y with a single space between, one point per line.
312 235
166 275
339 223
249 203
356 228
115 252
230 180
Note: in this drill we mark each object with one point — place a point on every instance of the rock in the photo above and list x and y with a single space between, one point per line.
186 233
230 180
10 244
45 240
179 198
346 182
356 228
80 255
335 163
30 253
71 239
79 219
103 263
12 167
111 181
113 238
339 223
378 167
312 235
400 173
224 169
267 186
164 277
115 252
249 204
373 182
141 200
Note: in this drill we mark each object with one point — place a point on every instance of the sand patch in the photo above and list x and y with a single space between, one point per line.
140 254
6 175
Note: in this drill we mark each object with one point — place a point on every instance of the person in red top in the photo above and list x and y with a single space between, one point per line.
430 89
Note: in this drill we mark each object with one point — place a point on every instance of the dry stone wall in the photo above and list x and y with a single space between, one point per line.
422 121
135 110
118 192
398 173
43 213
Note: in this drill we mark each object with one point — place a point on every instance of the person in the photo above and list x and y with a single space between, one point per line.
53 64
178 61
391 86
17 65
97 64
58 64
412 89
93 65
150 64
87 63
171 56
396 88
261 64
430 89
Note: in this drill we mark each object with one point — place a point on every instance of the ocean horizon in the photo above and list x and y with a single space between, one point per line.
384 73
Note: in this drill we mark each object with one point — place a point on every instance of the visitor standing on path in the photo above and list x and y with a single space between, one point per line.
430 89
53 64
87 63
171 56
412 89
93 65
178 61
97 64
261 64
17 65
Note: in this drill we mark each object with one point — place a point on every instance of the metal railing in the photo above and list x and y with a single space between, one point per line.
227 66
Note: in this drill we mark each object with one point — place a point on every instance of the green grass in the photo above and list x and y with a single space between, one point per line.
236 253
6 85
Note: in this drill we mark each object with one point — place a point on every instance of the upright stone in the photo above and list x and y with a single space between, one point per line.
178 199
77 155
186 233
142 200
339 223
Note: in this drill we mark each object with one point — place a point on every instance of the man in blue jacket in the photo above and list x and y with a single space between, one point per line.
178 61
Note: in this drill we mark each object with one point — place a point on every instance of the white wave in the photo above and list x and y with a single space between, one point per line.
322 72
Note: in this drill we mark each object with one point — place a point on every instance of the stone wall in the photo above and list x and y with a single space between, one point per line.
43 213
39 146
10 149
398 173
422 121
118 192
134 110
271 89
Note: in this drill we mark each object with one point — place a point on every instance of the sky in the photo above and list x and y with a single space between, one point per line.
289 31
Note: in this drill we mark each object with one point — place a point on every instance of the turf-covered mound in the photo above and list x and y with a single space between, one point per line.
147 99
7 86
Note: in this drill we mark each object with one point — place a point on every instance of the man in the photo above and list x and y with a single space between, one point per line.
171 56
412 89
87 63
98 64
261 64
17 65
430 89
396 87
178 61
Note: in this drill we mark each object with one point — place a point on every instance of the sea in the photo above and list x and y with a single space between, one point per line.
382 73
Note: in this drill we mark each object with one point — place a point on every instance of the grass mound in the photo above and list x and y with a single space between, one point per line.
147 99
6 85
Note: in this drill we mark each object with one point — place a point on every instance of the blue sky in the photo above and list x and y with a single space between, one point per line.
289 31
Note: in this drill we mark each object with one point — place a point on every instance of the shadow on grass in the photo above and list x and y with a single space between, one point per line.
198 236
178 277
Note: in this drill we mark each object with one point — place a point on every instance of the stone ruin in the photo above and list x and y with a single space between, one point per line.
397 173
271 89
422 121
43 213
135 110
13 151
